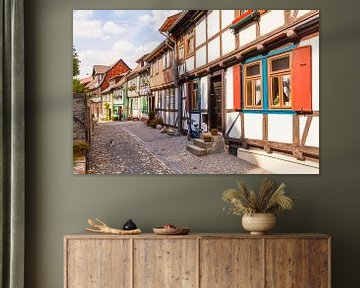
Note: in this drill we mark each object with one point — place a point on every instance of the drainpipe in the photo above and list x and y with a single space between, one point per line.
175 68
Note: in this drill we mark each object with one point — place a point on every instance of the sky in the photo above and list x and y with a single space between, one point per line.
105 36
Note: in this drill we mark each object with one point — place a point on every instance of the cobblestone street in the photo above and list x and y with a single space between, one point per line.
138 149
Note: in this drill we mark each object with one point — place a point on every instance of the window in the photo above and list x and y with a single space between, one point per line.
156 66
190 43
194 96
280 81
252 80
166 58
181 49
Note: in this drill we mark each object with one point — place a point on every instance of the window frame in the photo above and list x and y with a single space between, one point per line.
194 96
279 74
181 44
190 34
253 80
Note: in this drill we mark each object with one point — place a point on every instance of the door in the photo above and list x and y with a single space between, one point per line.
216 103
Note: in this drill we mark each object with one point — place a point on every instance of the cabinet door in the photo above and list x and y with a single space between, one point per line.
231 263
164 263
98 263
287 263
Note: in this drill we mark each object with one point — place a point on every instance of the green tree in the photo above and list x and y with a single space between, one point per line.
76 63
77 86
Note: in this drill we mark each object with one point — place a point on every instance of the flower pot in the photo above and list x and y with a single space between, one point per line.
259 223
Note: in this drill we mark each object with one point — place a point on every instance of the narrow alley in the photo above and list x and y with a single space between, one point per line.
133 148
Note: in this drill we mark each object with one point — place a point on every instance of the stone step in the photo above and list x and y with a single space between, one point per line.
201 143
196 150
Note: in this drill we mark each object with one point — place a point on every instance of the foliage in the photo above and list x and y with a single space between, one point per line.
115 118
107 105
78 87
76 63
214 131
267 200
80 149
156 121
152 115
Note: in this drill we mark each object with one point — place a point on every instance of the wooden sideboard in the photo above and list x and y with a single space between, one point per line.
197 261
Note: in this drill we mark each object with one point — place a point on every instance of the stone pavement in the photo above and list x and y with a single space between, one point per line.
138 149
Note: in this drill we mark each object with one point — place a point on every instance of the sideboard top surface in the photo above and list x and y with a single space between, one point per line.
86 235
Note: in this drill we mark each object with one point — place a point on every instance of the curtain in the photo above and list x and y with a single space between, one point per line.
12 147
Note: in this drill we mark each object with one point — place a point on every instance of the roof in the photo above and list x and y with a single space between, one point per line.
92 84
142 58
100 69
135 71
161 47
169 22
185 20
120 60
86 80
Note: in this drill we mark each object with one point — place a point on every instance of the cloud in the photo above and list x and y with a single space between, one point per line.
156 17
87 29
112 28
83 14
121 49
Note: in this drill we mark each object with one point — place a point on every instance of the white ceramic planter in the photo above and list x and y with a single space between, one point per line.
259 223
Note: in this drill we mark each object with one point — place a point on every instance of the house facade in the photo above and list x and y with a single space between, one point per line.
253 75
94 87
101 103
163 99
144 86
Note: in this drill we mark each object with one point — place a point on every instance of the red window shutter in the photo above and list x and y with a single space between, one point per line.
237 86
301 79
188 96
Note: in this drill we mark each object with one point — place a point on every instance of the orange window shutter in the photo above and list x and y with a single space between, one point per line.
301 79
237 86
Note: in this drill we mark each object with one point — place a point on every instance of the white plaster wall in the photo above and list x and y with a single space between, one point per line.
271 21
229 88
302 12
204 92
189 64
247 34
200 33
228 42
313 138
177 92
315 73
204 126
182 68
227 16
214 49
253 126
280 128
196 118
213 22
235 131
172 118
201 56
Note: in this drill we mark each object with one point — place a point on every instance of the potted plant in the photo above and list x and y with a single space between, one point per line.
258 210
207 137
214 131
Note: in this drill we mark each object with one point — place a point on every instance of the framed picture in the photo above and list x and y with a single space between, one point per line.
196 91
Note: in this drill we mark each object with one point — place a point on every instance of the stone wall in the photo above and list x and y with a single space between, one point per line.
81 121
82 128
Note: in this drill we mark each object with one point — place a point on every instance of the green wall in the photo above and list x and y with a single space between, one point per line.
59 203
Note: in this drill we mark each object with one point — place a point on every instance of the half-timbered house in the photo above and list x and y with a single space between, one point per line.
95 101
253 75
144 86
